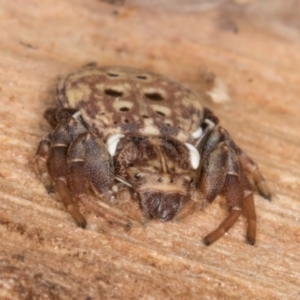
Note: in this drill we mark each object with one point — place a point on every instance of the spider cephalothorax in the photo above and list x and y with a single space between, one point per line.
159 171
150 134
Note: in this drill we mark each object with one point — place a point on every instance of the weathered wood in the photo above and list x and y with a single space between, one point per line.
43 255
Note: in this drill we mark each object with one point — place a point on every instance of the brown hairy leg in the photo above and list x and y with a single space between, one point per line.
233 192
252 169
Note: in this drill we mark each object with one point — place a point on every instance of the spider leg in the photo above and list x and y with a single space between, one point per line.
41 162
239 199
249 210
54 116
58 167
223 227
224 174
91 165
73 161
221 171
214 172
252 169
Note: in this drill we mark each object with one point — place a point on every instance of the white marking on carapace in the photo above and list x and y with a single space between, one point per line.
196 134
194 156
76 115
112 143
210 123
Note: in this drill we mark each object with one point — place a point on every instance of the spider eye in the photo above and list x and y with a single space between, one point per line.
137 175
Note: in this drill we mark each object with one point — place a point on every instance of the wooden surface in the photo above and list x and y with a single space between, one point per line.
43 255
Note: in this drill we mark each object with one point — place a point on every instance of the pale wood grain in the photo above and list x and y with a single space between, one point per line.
43 255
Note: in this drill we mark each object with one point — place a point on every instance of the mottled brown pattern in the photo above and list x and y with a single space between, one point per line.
127 100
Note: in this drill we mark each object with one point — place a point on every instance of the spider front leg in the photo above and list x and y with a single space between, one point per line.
54 116
222 173
51 156
77 162
62 137
73 161
91 166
